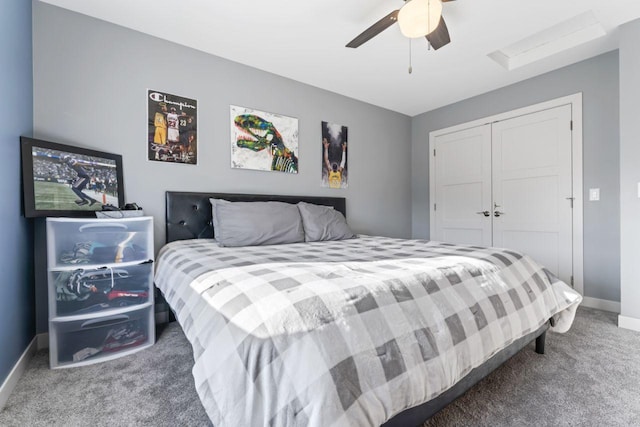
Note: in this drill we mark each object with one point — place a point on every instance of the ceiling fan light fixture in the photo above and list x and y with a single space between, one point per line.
417 18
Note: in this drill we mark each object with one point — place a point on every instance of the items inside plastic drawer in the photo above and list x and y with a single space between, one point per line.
94 248
83 291
82 340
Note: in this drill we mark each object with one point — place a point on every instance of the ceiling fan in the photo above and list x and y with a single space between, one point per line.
417 18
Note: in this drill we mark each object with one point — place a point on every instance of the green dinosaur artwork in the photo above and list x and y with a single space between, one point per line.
254 133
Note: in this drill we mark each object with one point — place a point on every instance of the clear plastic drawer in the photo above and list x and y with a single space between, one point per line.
84 291
98 242
100 338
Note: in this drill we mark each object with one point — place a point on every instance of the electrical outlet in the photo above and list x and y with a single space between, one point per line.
594 194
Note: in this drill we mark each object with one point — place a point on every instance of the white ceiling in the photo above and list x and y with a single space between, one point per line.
304 40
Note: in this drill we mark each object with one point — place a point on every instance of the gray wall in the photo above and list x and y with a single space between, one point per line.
630 168
90 82
597 79
16 252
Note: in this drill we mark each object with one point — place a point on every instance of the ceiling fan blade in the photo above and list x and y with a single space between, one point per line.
440 36
375 29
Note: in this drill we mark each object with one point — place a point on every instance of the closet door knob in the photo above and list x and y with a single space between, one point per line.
485 213
497 213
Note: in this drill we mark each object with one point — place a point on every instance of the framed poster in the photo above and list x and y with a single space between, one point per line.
172 128
263 141
64 180
335 171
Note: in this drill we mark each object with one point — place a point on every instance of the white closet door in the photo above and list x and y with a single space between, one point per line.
532 192
463 186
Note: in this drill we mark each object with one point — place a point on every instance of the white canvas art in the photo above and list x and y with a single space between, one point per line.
263 141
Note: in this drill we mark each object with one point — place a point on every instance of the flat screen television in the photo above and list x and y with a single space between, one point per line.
63 180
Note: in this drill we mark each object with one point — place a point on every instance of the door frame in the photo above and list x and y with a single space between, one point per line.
575 101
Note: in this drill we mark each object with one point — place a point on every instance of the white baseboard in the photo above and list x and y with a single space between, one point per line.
17 371
601 304
629 323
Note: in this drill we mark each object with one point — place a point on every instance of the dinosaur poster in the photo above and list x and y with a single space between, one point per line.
263 141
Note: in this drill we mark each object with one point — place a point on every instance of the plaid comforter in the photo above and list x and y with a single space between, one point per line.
347 333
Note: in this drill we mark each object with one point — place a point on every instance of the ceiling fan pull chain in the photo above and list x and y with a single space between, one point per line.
428 24
410 67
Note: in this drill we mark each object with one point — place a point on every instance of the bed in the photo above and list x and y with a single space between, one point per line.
365 331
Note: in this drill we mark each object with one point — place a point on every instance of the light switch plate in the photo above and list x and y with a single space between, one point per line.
594 194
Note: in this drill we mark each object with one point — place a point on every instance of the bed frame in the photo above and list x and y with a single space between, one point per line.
188 216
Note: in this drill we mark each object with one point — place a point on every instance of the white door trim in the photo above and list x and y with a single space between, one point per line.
575 101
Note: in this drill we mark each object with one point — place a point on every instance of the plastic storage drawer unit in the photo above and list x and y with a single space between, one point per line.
100 287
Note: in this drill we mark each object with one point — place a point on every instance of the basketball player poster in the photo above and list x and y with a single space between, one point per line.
172 128
334 156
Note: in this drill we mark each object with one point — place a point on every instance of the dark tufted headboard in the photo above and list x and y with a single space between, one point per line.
189 214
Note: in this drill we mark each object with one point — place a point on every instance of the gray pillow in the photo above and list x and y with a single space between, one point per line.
256 223
323 223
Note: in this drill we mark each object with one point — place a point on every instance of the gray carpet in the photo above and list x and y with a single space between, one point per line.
589 376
